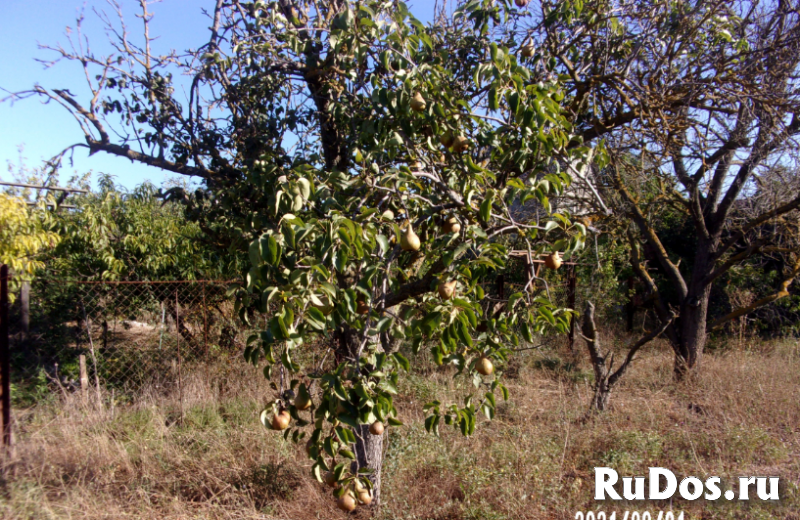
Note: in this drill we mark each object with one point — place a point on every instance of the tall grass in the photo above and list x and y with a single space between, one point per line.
210 457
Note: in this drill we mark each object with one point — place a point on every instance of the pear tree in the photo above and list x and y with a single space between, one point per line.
374 171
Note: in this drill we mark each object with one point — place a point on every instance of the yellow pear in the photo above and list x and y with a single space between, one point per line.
346 502
418 102
451 225
447 289
553 261
409 241
303 399
280 421
388 215
364 496
484 366
460 144
528 51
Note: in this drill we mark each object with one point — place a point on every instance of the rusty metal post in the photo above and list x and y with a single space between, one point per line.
573 282
5 357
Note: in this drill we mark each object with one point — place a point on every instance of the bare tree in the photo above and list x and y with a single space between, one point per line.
605 377
698 102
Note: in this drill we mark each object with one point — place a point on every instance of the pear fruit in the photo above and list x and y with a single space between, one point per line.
418 102
364 496
409 241
280 421
388 215
484 366
447 289
376 428
553 261
528 51
303 399
447 139
346 502
521 3
451 225
330 479
460 144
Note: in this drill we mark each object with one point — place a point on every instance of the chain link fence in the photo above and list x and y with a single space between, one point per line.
119 336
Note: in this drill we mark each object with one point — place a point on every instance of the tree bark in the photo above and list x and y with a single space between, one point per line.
694 311
368 448
369 454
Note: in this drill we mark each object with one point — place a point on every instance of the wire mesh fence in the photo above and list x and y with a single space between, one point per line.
120 337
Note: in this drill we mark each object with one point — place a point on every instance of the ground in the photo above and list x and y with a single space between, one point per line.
741 416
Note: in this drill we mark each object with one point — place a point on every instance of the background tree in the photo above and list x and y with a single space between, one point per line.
116 234
367 164
25 234
698 102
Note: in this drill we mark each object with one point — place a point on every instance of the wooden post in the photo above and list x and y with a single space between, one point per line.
5 358
571 289
84 376
500 286
25 305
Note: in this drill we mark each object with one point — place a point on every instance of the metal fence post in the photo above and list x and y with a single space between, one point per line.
5 358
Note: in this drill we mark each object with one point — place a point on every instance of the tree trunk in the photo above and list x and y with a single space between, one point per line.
694 312
369 454
694 315
369 448
602 393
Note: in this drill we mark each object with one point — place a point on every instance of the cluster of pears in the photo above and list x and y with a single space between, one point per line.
458 143
281 419
355 494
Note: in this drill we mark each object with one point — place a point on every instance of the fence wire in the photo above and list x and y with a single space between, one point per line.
123 336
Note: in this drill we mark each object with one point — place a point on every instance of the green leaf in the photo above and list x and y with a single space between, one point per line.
486 209
402 361
270 250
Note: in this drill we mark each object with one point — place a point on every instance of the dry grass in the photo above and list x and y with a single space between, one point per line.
536 460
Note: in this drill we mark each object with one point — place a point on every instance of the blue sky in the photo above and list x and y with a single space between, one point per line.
44 130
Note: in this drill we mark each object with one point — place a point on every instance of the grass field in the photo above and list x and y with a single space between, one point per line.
741 416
